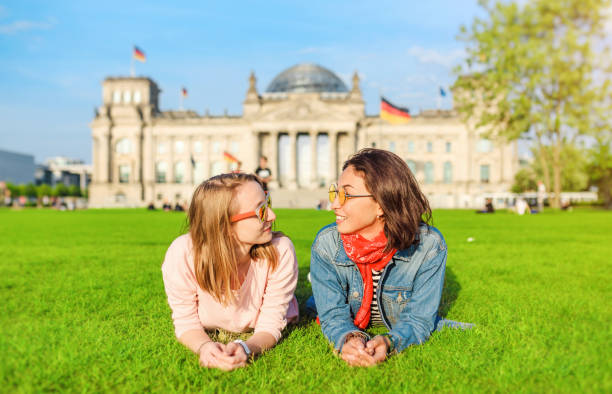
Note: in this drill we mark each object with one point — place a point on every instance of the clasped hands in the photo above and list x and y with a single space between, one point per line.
226 357
359 353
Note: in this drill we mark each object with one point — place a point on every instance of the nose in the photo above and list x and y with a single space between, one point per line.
336 203
271 215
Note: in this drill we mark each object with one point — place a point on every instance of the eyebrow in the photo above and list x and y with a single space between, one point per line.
347 185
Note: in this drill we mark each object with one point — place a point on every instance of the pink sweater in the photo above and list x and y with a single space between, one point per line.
265 301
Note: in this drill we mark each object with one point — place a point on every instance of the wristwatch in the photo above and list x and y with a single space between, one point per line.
244 346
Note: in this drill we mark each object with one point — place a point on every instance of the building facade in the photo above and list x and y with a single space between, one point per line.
70 172
17 168
307 123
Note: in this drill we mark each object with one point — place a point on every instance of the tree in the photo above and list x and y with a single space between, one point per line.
536 70
42 191
60 190
74 191
600 168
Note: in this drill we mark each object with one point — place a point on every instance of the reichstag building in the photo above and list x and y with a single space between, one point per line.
307 122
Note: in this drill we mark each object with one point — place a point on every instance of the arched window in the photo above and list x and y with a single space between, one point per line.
448 172
484 145
124 173
216 168
412 166
179 172
198 172
197 147
179 146
116 97
429 172
429 147
123 146
161 148
485 170
161 168
410 146
137 97
127 96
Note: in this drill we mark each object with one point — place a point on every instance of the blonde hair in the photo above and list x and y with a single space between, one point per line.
214 244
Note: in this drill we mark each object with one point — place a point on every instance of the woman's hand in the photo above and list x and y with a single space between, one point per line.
356 354
221 356
378 347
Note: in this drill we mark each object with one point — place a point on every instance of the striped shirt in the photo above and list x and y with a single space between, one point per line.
375 318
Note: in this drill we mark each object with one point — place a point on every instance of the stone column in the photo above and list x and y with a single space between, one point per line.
189 166
206 164
313 159
292 179
170 178
148 165
104 156
333 157
273 160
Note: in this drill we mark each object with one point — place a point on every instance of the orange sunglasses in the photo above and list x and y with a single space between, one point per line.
260 212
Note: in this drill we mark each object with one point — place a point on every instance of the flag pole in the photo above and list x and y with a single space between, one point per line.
380 117
132 67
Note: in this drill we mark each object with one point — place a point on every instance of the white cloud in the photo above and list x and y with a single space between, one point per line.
23 25
447 59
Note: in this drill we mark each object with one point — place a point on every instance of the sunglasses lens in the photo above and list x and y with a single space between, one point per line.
341 196
332 193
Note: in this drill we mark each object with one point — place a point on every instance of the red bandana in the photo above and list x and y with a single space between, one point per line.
368 256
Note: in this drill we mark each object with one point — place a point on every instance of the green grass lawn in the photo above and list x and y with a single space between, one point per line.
84 309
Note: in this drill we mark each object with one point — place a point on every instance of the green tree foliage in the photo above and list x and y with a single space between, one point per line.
74 191
60 190
600 168
537 69
30 190
524 180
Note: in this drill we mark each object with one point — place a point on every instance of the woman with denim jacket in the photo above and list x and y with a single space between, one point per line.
380 263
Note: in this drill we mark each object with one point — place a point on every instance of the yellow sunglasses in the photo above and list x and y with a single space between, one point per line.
342 195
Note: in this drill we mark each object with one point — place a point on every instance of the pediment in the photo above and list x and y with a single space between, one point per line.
305 111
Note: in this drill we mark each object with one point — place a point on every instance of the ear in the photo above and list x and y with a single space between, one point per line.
379 211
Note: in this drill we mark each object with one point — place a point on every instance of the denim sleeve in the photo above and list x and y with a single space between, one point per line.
416 322
331 300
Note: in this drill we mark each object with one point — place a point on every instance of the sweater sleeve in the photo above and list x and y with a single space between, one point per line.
181 287
279 291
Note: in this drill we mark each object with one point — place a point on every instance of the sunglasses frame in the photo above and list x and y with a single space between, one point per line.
246 215
346 195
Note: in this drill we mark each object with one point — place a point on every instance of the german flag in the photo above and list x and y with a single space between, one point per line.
229 157
139 55
184 91
392 113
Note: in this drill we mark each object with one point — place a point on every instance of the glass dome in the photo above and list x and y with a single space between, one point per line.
306 78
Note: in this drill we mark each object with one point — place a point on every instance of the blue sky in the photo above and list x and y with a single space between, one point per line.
55 54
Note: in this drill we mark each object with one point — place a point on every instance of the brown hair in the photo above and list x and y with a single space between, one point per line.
214 243
394 187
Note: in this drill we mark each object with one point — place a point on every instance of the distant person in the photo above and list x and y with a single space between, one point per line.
178 207
381 264
263 172
231 271
238 168
488 207
566 204
151 206
166 206
541 195
521 207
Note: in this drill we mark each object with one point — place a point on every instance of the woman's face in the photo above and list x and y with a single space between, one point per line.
357 215
252 231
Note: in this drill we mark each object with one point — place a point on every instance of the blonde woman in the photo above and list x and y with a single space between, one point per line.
231 271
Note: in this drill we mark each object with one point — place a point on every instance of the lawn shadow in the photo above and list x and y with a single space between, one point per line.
450 292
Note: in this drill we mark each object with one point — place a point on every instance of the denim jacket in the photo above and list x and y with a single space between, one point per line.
408 295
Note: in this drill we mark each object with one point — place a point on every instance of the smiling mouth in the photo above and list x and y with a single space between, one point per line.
340 218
